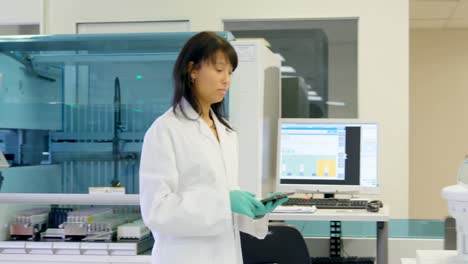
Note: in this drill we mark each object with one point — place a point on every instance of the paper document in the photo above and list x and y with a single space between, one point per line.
295 209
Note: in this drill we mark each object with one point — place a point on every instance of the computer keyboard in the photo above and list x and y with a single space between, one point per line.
328 203
333 260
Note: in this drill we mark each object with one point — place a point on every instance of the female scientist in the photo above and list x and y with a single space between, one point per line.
189 192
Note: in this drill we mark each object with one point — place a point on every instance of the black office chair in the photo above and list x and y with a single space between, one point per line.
284 244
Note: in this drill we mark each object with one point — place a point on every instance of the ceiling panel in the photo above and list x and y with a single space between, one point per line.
435 0
457 23
432 9
462 10
428 23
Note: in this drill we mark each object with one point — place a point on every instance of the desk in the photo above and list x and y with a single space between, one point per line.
381 218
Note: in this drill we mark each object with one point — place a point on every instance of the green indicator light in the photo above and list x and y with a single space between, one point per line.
139 77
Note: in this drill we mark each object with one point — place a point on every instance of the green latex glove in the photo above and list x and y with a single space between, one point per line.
271 205
243 202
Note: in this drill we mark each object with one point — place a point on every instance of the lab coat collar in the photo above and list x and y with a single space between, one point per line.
188 109
220 128
204 129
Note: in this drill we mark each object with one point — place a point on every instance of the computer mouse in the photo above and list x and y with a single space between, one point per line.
374 206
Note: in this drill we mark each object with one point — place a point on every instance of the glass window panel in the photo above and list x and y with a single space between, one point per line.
6 30
58 105
319 73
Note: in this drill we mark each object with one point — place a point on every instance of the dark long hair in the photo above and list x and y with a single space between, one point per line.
199 48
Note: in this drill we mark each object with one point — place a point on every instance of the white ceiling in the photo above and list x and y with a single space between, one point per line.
439 13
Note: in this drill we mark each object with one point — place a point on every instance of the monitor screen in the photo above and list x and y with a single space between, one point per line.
327 156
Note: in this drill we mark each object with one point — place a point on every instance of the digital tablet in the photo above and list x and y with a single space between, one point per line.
276 197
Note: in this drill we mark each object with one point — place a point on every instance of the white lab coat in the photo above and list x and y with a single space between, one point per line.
185 179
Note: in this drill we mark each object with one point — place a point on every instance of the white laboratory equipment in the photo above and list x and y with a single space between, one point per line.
254 107
3 162
457 197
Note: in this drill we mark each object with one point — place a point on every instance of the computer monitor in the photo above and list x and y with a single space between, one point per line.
328 156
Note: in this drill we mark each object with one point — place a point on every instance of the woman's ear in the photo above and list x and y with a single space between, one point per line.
192 71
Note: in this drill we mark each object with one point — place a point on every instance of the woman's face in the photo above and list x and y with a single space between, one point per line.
212 79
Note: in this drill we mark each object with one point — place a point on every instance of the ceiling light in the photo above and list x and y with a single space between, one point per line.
336 103
314 98
287 69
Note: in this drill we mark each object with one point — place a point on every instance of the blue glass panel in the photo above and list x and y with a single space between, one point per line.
428 229
57 106
398 228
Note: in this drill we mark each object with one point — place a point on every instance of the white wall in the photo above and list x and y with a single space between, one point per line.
20 12
439 122
382 58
